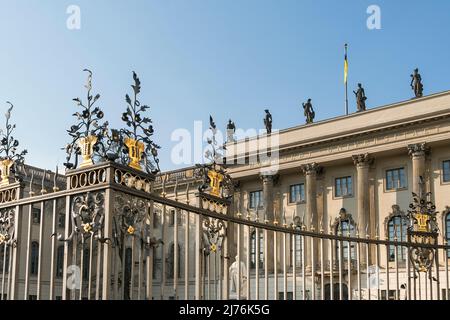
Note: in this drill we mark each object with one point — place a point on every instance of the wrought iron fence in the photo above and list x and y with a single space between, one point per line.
109 235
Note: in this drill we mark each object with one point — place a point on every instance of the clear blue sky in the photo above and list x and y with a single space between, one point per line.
228 58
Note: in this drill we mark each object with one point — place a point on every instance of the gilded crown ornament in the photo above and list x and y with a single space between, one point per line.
213 173
86 132
138 145
10 158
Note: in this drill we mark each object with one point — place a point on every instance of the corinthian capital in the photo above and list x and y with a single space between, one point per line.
363 159
418 149
311 168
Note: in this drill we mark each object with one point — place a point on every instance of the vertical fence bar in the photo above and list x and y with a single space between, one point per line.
8 292
74 285
446 274
377 263
81 268
349 271
303 269
133 258
322 269
41 245
52 252
67 228
215 276
123 267
294 266
108 234
175 253
91 257
419 286
387 271
313 269
198 256
397 285
257 259
275 266
15 251
3 269
369 293
341 296
408 274
186 255
430 277
208 269
247 289
438 282
150 254
141 271
99 265
27 259
163 255
358 269
415 283
266 266
284 266
238 262
331 249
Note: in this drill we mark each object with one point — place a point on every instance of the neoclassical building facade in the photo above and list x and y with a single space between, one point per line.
352 174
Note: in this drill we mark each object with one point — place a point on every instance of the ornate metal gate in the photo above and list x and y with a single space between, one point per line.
109 230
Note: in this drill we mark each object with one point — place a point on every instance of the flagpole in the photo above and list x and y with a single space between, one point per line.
346 85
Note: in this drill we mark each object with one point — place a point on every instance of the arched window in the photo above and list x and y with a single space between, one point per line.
171 261
345 226
34 258
253 257
60 261
396 229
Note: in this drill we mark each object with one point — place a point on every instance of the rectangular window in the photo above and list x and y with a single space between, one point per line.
395 179
343 187
297 193
255 199
36 214
446 171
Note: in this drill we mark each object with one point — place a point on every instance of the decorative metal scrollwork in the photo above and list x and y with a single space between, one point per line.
130 213
215 178
214 231
137 140
87 132
10 158
88 215
423 229
422 258
7 227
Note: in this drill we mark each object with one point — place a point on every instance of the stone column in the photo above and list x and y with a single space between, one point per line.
268 182
311 171
362 163
418 153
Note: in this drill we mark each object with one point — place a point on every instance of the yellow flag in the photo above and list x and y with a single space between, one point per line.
345 69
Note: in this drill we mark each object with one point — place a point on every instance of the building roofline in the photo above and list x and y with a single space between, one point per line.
341 117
